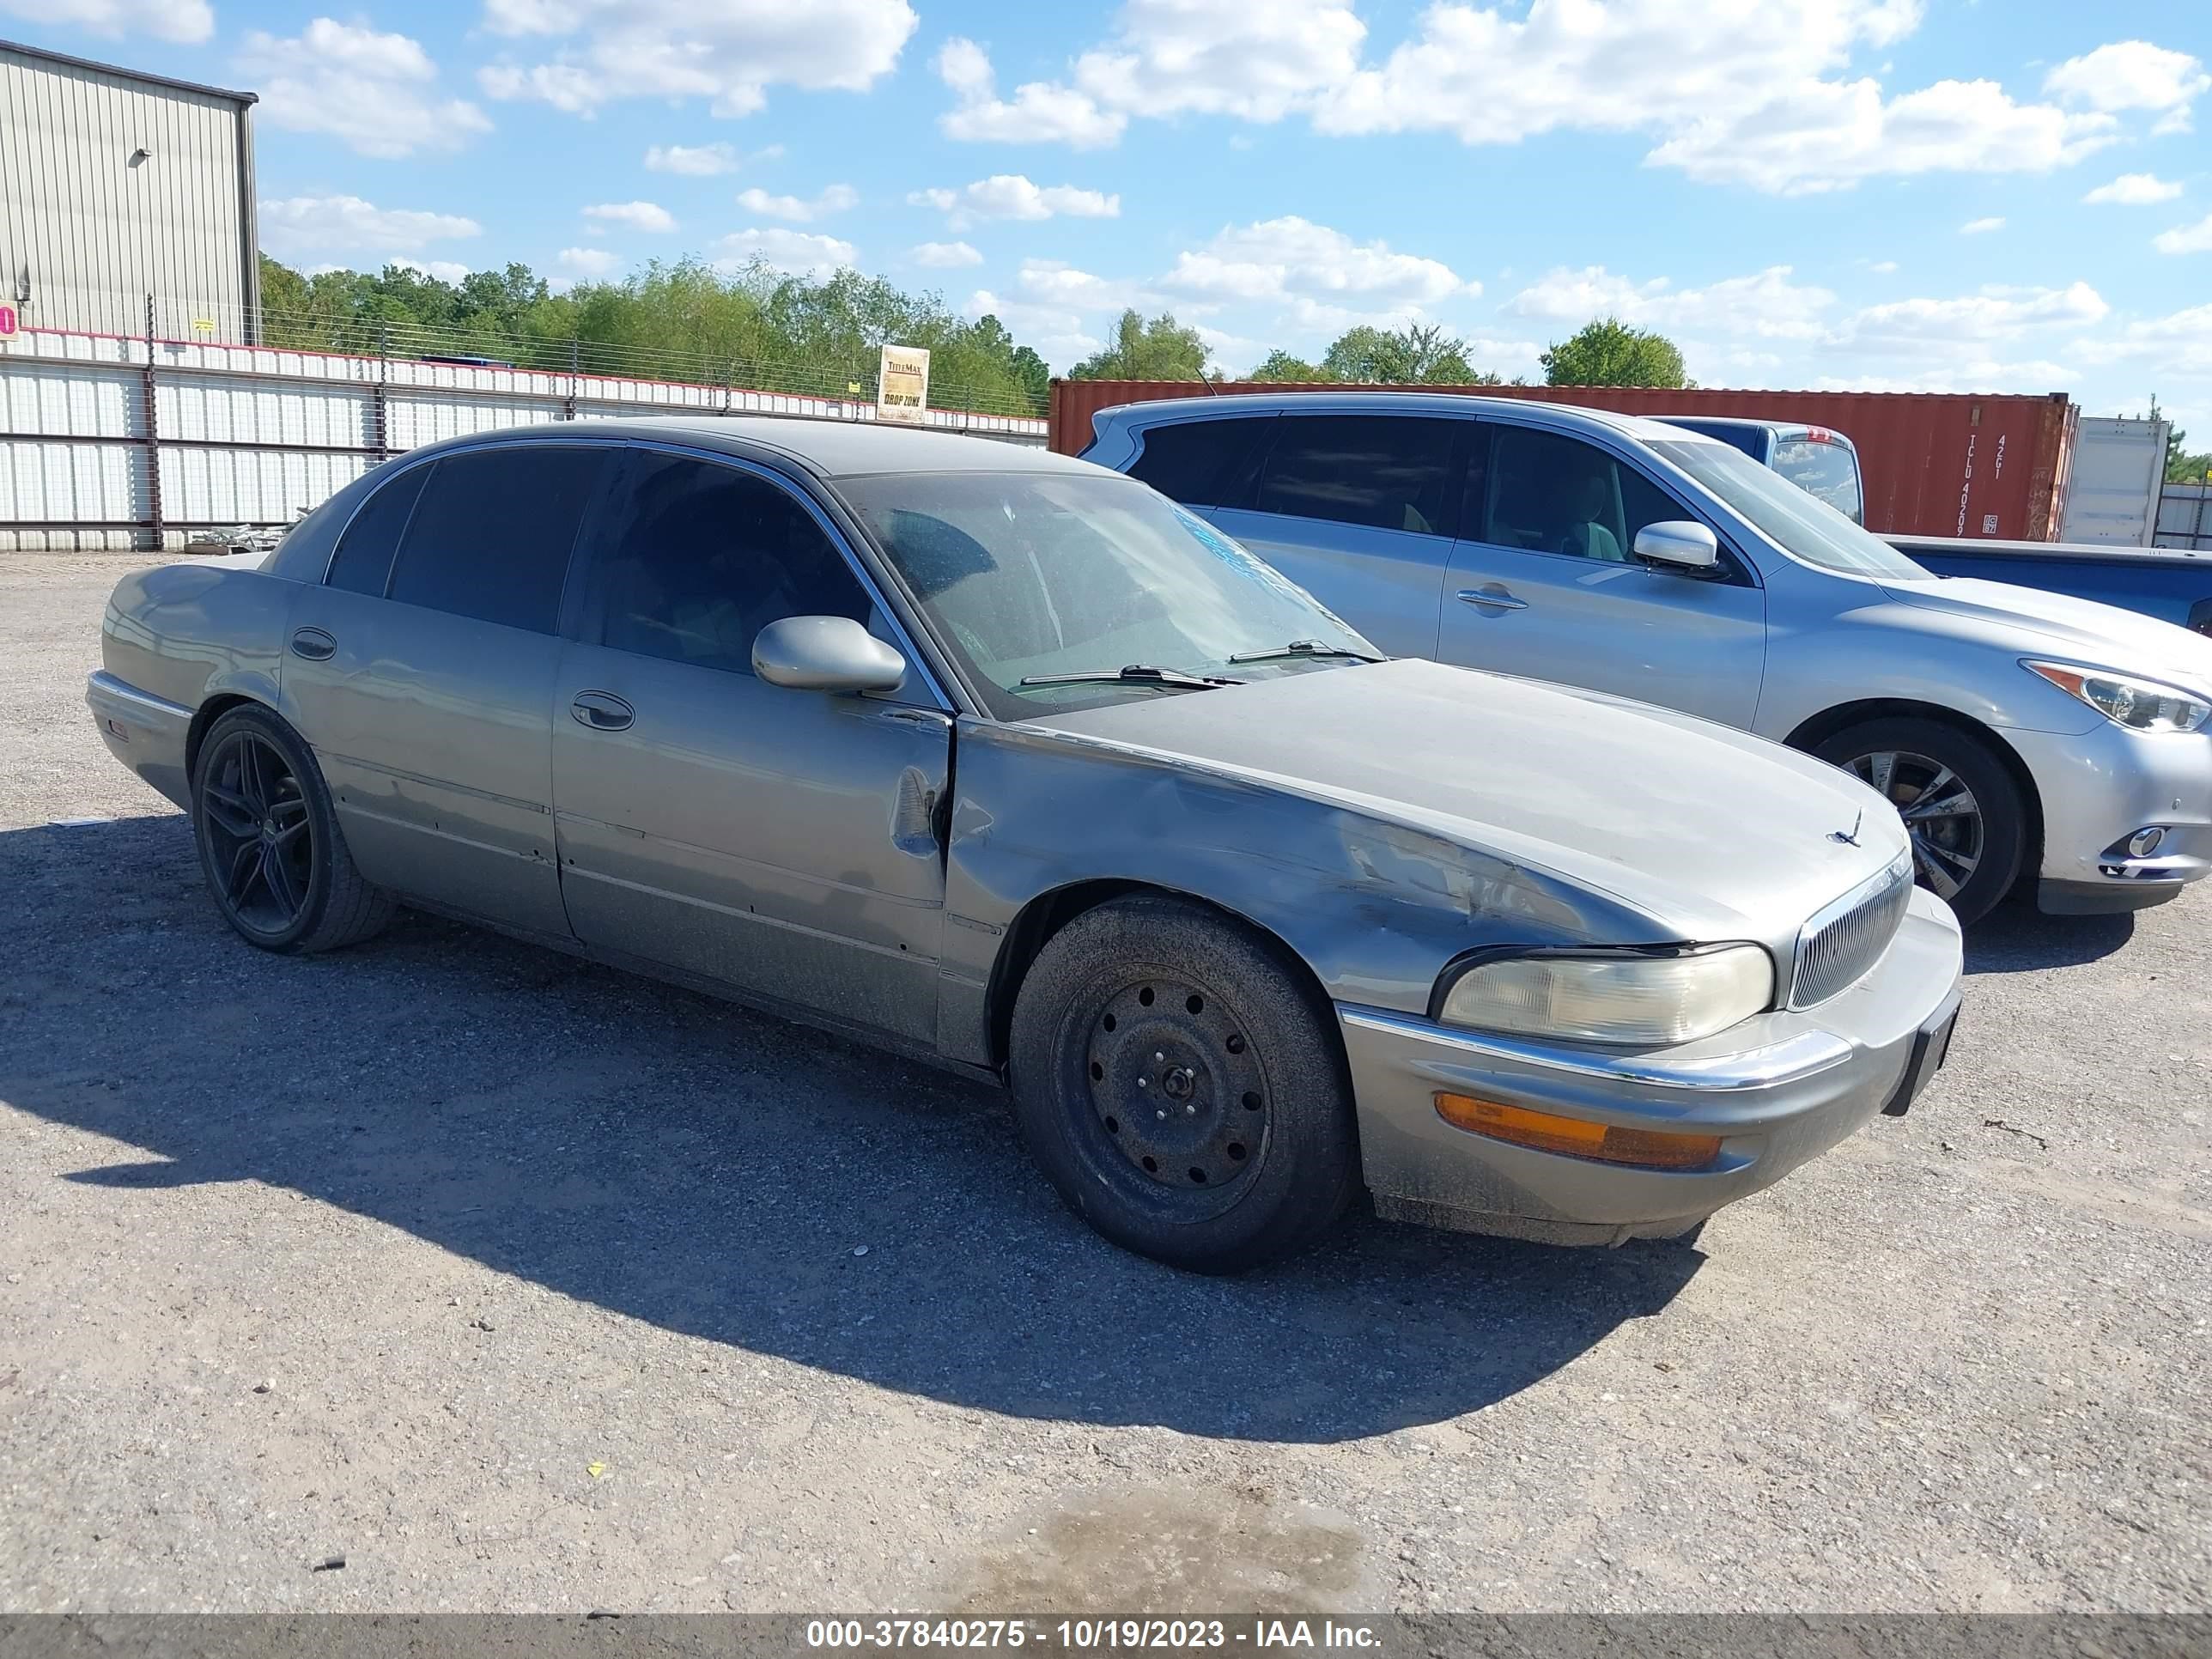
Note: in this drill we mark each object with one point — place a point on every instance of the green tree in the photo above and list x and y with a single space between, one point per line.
1607 352
1280 366
1161 350
681 321
2181 466
1420 354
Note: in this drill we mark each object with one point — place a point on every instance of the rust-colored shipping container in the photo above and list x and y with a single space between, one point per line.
1934 466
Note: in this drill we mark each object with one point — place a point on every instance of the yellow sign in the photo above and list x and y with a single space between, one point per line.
903 386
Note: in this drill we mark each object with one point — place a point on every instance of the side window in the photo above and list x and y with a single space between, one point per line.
697 558
1199 463
1386 471
491 535
1553 494
362 564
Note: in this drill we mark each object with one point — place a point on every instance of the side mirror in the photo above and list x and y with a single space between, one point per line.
825 653
1680 544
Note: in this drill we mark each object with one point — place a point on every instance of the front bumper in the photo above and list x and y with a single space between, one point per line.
1778 1089
2098 788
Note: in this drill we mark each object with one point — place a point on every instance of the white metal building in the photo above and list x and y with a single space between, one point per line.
116 185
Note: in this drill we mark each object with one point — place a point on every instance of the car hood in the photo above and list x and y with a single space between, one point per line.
2097 635
1703 831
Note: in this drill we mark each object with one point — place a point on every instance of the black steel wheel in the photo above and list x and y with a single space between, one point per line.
1964 813
1175 1080
269 845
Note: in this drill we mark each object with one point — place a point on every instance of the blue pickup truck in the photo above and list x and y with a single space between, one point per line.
2174 586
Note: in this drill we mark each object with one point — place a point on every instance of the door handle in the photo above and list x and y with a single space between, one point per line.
601 710
1492 598
313 644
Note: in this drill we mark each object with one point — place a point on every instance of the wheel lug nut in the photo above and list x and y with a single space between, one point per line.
1157 1057
1143 1083
1159 1114
1190 1111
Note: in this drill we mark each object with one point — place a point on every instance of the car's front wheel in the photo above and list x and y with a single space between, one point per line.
269 845
1181 1086
1966 815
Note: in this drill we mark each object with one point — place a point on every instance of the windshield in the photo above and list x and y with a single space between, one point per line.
1799 524
1823 469
1028 575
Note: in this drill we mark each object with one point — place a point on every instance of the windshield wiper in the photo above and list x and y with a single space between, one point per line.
1303 648
1137 673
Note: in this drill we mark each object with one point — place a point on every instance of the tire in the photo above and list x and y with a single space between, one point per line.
1971 860
1147 1004
274 859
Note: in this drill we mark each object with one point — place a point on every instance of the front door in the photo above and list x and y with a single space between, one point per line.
1543 583
783 841
422 674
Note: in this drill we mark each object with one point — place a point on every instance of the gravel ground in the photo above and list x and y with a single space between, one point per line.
524 1285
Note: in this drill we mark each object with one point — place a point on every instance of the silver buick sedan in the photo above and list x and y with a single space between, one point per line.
1005 760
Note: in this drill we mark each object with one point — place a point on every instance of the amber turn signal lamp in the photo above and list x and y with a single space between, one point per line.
1647 1149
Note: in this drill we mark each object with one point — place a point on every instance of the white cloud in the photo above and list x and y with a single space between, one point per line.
2127 76
1739 92
588 262
1883 267
631 216
943 256
1257 61
1278 259
1967 323
798 252
694 161
187 21
2180 343
2185 239
1057 335
1056 283
446 270
344 224
1829 134
1768 304
2134 189
1982 226
1011 196
728 51
377 93
1039 113
835 199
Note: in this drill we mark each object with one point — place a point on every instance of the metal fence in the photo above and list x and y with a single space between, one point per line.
115 441
2184 517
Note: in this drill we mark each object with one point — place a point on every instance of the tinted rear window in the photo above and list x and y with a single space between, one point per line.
1827 470
1196 462
491 536
362 564
1385 471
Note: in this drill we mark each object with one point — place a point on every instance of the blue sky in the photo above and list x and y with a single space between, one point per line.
1937 195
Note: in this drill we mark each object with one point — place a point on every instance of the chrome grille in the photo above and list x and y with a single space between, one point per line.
1844 941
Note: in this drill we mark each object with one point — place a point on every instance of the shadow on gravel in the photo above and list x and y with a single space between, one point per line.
677 1160
2016 938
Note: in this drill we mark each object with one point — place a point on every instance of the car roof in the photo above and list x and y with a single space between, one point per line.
828 448
1537 411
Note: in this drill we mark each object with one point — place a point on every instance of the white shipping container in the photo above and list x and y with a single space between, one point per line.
2117 468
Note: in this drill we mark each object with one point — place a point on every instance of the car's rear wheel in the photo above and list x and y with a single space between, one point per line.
1181 1086
269 845
1966 815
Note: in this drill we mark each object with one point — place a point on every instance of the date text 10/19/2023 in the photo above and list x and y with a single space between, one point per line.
1092 1635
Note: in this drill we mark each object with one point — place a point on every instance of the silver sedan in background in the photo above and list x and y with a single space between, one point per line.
1003 759
2030 740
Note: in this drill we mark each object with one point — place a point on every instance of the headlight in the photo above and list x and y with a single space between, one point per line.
2139 705
1621 996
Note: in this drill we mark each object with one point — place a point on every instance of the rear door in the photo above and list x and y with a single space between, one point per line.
1359 510
784 841
421 672
1544 584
